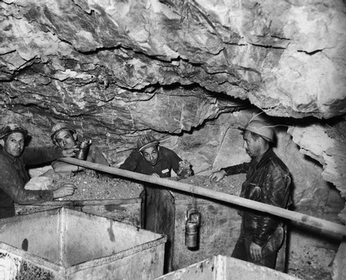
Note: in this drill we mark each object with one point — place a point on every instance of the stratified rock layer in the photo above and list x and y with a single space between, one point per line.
93 59
116 69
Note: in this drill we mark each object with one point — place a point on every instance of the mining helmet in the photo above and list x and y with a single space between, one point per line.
146 141
260 128
12 128
59 127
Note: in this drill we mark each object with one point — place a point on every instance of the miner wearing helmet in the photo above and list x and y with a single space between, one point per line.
66 137
267 181
14 160
145 159
151 158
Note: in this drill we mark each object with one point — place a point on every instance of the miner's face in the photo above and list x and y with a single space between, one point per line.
65 139
14 144
151 154
252 145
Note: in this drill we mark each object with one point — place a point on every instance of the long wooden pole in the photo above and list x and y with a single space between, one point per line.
319 224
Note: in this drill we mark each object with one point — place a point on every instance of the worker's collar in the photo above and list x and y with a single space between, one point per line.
263 158
11 158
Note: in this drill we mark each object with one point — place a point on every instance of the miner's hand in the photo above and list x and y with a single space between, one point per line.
255 251
71 152
65 190
218 175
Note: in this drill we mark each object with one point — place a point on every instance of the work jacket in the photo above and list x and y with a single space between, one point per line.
158 207
14 176
267 181
167 160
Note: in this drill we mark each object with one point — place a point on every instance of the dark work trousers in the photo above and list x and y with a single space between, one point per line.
269 251
158 214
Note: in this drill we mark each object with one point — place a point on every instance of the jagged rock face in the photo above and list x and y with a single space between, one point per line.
95 58
114 69
117 68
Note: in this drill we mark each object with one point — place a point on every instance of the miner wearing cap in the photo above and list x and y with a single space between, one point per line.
66 137
151 158
267 181
14 160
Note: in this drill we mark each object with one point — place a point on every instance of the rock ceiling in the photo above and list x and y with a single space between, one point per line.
114 68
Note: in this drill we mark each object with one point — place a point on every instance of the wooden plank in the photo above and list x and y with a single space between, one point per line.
319 225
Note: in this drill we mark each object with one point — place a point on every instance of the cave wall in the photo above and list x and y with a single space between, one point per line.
88 59
186 70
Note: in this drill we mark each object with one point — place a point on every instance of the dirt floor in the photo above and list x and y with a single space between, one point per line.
90 186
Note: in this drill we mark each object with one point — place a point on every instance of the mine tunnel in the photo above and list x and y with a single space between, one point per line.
188 73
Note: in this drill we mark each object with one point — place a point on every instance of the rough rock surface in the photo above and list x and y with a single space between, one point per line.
326 145
99 58
184 70
117 69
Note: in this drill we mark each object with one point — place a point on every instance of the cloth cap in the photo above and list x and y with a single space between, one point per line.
146 141
12 128
59 127
260 128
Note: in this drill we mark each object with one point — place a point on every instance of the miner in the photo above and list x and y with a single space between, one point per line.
267 181
14 160
66 137
151 158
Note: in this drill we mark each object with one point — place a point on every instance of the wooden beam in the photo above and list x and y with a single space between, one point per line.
318 224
